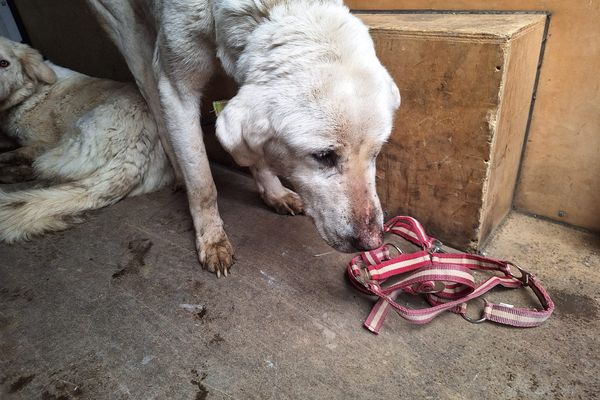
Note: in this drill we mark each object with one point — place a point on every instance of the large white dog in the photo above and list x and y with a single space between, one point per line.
315 105
94 140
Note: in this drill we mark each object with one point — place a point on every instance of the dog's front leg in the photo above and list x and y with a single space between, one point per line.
273 193
182 116
22 155
16 173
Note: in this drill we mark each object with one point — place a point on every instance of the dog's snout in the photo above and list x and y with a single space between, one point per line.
367 240
368 232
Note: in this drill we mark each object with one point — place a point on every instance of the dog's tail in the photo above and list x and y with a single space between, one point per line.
30 212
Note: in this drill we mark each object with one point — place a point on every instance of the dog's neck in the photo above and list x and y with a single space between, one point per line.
19 96
267 25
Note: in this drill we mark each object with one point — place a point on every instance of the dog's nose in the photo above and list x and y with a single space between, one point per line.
367 240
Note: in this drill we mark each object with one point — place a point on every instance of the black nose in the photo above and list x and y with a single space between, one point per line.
367 241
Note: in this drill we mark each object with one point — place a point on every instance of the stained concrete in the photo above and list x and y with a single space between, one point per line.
118 308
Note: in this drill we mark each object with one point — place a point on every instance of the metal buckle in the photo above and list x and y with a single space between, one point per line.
524 278
476 321
437 247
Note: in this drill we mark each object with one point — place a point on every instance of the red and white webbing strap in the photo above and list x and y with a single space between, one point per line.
445 279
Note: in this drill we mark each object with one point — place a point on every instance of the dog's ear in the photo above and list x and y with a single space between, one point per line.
395 94
242 130
33 65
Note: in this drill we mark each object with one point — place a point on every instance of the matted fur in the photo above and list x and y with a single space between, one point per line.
94 139
310 83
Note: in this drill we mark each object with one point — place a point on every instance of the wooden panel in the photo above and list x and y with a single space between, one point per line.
452 72
519 77
560 176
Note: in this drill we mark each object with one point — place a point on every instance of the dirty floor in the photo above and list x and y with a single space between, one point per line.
117 308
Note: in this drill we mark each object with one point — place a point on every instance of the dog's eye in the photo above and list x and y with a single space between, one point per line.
327 158
4 63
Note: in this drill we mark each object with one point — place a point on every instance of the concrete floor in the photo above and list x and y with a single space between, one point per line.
118 308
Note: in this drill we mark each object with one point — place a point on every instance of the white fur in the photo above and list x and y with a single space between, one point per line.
309 82
94 139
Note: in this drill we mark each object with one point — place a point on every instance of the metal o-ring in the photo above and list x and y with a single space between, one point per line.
476 321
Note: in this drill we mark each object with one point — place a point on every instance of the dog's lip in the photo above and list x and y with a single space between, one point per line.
344 247
336 241
341 244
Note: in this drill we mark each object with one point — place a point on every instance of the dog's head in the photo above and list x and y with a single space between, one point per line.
317 110
21 70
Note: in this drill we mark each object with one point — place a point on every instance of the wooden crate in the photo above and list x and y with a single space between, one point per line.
466 83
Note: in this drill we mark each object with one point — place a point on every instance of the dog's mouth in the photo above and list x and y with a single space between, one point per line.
349 240
354 244
344 246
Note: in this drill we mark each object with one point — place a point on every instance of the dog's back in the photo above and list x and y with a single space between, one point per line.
52 111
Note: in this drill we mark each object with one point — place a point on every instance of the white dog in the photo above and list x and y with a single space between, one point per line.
94 138
315 105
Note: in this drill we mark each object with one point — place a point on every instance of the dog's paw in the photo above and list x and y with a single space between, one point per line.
289 203
215 254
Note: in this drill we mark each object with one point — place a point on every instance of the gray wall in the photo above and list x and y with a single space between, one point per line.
8 28
66 32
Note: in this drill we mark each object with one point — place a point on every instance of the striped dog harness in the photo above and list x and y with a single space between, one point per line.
445 279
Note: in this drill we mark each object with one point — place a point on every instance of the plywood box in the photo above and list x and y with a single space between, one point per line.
466 83
559 176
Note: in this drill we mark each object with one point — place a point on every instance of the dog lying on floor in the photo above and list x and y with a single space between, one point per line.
93 139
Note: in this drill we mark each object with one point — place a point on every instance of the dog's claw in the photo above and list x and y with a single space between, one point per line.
290 203
216 255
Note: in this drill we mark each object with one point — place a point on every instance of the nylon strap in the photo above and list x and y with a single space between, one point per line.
445 279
